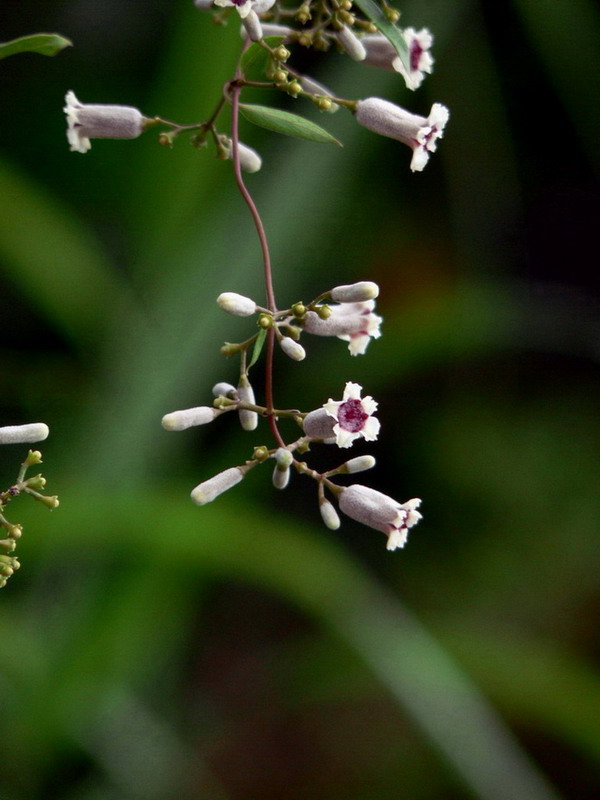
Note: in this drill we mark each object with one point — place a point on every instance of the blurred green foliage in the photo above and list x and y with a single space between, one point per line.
152 649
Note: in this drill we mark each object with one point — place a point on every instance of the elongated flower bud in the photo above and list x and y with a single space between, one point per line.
223 389
236 304
281 473
351 44
22 434
252 26
355 292
87 122
248 418
189 418
292 349
319 424
359 464
270 29
250 161
329 515
206 491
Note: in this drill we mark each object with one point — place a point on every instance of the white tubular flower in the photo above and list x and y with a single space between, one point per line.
353 416
281 473
314 87
355 292
381 512
236 304
359 464
349 42
319 425
252 26
189 418
206 491
353 322
223 389
24 434
420 59
270 29
381 53
329 515
99 122
292 348
244 7
245 392
419 133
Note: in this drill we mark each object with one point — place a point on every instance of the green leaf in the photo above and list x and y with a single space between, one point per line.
255 55
289 124
258 346
377 17
46 44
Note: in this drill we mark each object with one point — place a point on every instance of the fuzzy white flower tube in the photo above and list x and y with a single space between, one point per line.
292 349
24 434
281 473
208 490
349 42
419 133
381 512
86 121
319 425
250 161
236 304
329 515
355 323
355 292
359 464
252 26
189 418
245 393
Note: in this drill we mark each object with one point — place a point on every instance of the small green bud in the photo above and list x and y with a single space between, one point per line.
33 457
50 501
324 312
346 4
281 53
324 104
14 531
165 139
294 88
298 309
280 76
347 17
293 332
230 349
302 17
304 447
305 40
265 321
321 44
261 453
392 14
370 27
8 544
37 482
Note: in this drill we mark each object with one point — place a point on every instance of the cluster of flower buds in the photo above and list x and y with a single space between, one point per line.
21 434
335 23
337 422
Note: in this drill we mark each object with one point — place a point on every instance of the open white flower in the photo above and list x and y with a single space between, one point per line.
244 7
355 323
419 133
381 53
381 512
87 121
353 416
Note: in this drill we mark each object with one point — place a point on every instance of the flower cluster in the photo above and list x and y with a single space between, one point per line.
21 434
270 29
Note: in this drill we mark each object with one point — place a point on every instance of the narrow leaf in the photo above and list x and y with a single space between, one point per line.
255 55
47 44
289 124
258 345
376 15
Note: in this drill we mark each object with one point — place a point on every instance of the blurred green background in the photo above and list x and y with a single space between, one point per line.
152 649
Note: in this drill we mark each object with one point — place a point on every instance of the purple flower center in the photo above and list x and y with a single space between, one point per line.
351 416
415 54
238 2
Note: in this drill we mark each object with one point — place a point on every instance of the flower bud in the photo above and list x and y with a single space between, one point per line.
33 457
355 292
223 389
292 348
252 26
349 42
281 473
236 304
250 161
358 464
87 122
314 87
329 515
188 418
206 491
270 29
21 434
248 418
50 501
